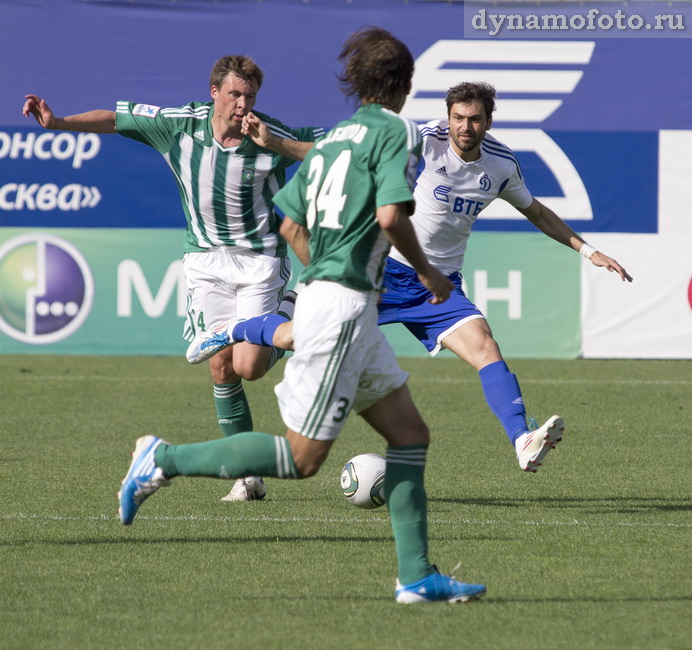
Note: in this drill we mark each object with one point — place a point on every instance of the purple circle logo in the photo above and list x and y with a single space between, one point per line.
46 289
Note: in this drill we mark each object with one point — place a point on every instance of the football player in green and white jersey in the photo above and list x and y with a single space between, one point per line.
235 262
350 199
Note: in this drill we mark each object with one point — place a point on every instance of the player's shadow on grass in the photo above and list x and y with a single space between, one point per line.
221 539
625 505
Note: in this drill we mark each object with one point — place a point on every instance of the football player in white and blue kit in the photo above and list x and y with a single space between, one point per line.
465 170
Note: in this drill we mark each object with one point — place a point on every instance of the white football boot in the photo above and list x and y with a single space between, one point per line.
205 345
250 488
532 446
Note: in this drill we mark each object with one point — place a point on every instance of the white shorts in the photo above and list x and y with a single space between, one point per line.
342 361
226 283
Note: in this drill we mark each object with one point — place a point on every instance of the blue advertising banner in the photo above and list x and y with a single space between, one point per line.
582 115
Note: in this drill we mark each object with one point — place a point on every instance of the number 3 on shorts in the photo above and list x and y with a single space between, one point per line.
343 410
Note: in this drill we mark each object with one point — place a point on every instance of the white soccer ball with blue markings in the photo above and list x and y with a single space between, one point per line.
362 481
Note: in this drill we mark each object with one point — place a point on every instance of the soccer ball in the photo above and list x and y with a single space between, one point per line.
362 481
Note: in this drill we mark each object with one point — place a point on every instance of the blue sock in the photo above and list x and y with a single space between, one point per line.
504 398
258 330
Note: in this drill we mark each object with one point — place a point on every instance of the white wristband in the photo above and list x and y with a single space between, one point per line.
586 251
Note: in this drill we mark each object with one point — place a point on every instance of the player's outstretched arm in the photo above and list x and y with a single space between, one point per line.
255 129
547 221
394 221
97 121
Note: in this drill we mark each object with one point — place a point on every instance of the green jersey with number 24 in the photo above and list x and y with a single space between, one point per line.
363 163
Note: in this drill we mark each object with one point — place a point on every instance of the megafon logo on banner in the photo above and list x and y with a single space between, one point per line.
442 66
46 289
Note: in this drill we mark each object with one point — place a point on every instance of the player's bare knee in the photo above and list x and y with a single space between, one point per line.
490 351
251 372
250 362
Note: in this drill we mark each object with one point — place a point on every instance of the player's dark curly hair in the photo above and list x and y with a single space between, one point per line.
241 66
377 67
470 91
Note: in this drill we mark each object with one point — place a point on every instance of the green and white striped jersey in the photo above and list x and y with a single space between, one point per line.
363 163
226 192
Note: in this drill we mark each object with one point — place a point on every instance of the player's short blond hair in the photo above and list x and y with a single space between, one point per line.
241 66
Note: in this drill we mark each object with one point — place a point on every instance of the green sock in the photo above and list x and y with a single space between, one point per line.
245 454
407 504
276 356
232 408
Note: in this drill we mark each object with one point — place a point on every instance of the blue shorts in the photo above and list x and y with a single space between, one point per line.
405 300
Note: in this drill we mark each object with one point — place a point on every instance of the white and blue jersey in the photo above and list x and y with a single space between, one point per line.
449 195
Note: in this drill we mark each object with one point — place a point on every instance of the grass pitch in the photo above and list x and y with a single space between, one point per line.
593 551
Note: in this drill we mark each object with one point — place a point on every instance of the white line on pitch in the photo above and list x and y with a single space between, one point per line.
133 378
414 378
619 382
